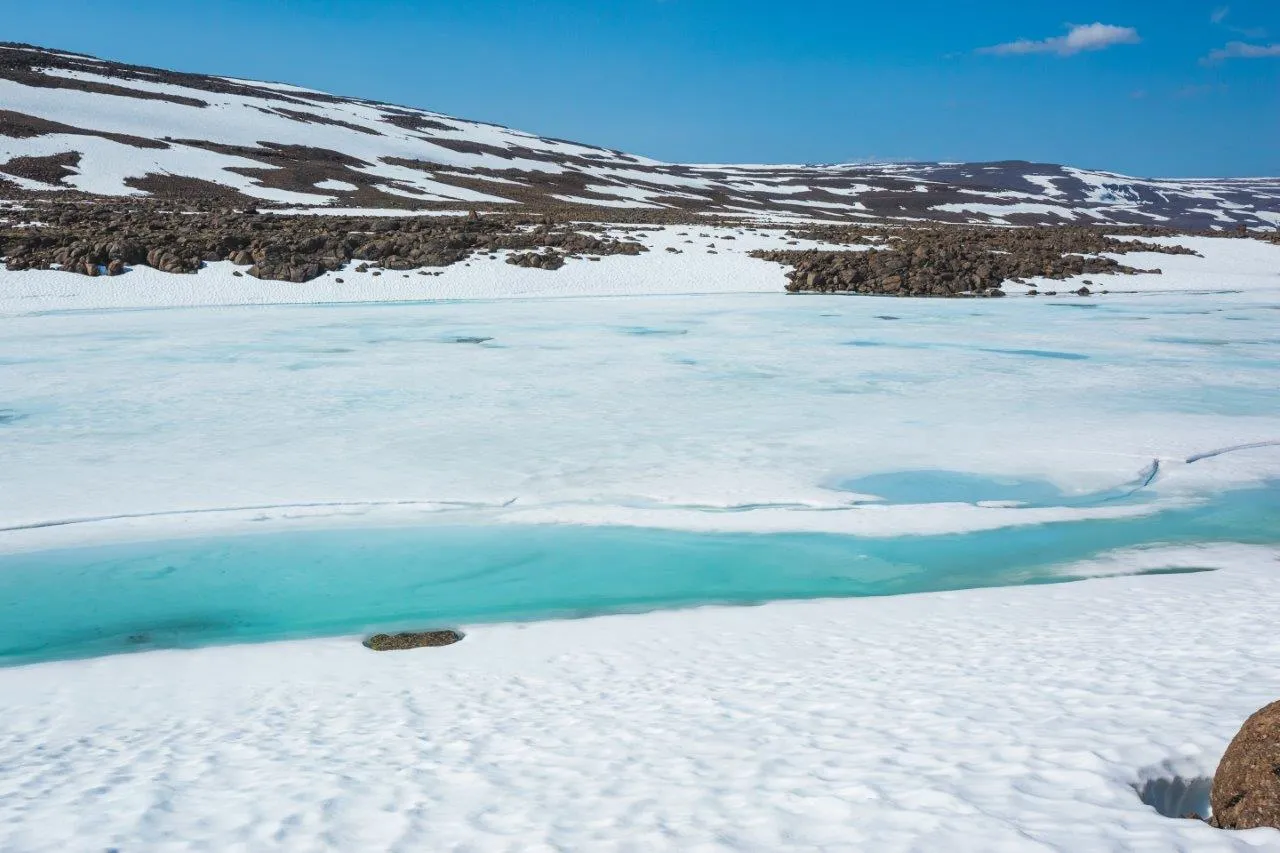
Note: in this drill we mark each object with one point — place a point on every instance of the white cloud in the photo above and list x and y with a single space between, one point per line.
1243 50
1079 39
1196 91
1219 17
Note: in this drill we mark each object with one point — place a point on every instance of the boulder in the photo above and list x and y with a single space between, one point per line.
411 640
1246 788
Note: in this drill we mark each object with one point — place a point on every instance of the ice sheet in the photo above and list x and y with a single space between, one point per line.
656 410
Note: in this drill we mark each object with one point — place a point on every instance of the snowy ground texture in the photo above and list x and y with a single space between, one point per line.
999 719
1013 719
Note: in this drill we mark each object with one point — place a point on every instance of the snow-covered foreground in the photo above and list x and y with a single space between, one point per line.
1012 718
1009 719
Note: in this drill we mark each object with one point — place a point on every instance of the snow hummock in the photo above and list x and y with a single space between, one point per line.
340 186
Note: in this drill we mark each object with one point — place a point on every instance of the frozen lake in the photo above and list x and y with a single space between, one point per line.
644 410
449 461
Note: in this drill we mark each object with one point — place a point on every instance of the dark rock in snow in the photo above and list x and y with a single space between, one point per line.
411 640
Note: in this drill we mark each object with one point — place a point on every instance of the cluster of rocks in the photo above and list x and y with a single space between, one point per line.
105 239
954 261
537 260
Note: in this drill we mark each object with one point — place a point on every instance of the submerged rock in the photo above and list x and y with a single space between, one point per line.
1246 788
411 640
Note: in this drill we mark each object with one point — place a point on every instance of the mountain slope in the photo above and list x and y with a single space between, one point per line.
75 124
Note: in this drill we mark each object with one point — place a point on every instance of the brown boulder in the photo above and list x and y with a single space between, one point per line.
127 251
411 640
1246 788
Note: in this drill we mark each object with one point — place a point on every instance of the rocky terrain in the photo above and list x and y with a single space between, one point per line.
101 238
957 261
77 128
106 239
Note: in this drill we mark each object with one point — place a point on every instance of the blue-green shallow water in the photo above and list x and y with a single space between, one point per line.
180 593
917 487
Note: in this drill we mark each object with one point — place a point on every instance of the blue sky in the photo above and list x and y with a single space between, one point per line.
1162 87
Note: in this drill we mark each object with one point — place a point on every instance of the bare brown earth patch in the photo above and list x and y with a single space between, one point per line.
193 190
316 118
22 126
406 120
47 170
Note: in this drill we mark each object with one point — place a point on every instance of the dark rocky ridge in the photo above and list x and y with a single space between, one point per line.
106 238
956 261
101 239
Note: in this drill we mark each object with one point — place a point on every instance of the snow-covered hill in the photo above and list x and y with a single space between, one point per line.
72 123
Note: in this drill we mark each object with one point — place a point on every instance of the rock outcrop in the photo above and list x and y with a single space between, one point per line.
954 261
92 239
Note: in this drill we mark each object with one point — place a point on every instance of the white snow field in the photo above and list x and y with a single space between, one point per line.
684 392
